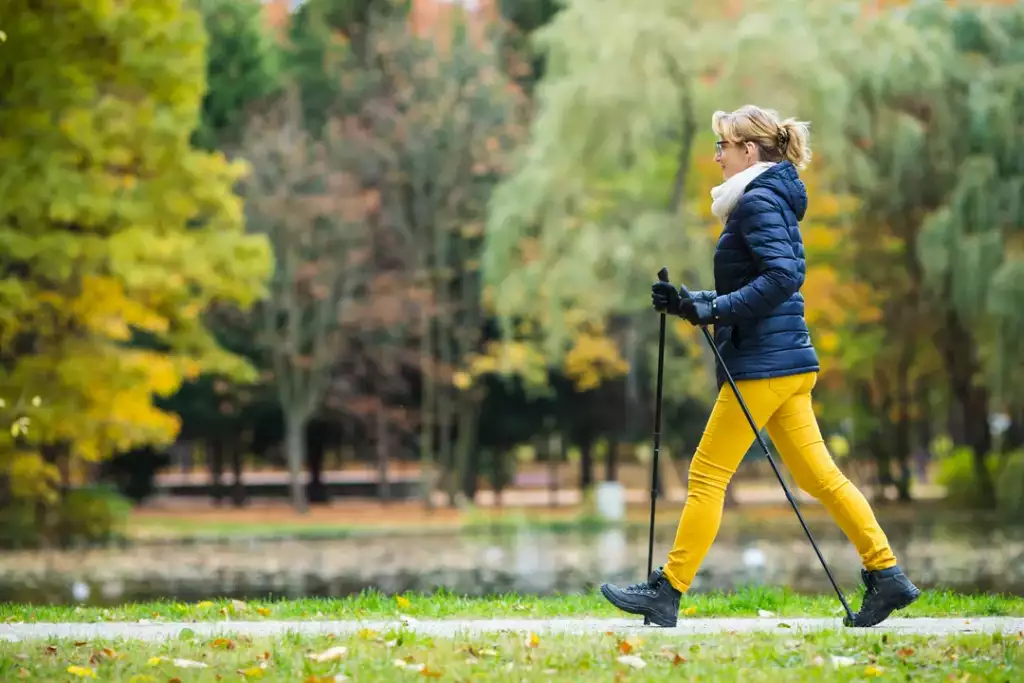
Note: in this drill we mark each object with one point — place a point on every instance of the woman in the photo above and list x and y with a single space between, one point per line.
758 316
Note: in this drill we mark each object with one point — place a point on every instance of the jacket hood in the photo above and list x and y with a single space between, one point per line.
784 181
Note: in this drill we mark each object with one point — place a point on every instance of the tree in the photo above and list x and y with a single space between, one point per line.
115 234
441 122
926 113
312 211
243 65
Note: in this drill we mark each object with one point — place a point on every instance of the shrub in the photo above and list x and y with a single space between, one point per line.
1010 484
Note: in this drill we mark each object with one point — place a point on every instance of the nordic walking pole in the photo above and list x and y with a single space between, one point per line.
771 461
663 277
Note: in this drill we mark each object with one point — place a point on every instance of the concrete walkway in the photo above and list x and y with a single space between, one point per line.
456 627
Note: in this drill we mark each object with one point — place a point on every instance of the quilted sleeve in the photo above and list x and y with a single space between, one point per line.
764 229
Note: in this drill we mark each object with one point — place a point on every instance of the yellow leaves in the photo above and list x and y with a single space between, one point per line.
263 611
873 671
690 611
593 358
81 672
32 478
154 661
533 640
141 678
402 602
253 672
205 604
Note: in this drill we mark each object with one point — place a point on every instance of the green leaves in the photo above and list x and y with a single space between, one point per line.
111 224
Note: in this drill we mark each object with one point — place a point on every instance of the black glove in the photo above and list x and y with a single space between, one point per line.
697 310
665 298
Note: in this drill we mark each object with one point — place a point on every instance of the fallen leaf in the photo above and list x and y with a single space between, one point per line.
403 603
905 652
329 654
671 655
263 611
403 664
430 673
81 672
873 670
23 673
629 644
840 661
205 604
153 661
51 649
690 611
533 640
765 613
81 643
239 606
174 680
188 664
223 644
632 660
252 672
366 634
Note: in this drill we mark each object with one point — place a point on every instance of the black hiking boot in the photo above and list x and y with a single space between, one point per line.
655 599
885 591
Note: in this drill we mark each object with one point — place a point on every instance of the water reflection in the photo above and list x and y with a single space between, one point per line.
967 556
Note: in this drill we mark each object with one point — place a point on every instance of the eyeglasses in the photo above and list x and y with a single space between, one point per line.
720 145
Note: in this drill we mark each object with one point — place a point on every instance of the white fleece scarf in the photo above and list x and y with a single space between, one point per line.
725 196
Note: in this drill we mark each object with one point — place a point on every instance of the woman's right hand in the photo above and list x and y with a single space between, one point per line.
665 298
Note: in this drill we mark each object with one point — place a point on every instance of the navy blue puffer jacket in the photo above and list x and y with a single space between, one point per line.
759 269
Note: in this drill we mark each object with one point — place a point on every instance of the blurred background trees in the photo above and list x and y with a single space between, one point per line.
415 238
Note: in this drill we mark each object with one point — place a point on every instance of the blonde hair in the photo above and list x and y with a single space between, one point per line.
776 140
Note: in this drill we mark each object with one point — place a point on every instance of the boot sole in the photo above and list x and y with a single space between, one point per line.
652 616
906 603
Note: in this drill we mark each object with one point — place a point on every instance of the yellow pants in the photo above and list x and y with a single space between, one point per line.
784 405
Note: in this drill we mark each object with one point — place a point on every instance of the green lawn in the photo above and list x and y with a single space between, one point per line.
745 602
400 655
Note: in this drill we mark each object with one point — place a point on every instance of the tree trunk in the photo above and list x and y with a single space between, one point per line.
586 463
427 410
383 486
215 450
238 492
972 399
316 491
611 463
467 457
903 425
295 454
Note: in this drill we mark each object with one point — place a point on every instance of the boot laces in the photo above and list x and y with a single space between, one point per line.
642 588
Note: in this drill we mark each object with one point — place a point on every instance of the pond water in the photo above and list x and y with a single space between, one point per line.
969 555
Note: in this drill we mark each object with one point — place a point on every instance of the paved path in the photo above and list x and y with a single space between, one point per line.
454 627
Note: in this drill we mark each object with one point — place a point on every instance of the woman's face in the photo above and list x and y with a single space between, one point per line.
734 157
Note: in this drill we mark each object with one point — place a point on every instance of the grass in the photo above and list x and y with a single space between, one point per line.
401 655
371 604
